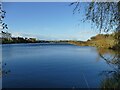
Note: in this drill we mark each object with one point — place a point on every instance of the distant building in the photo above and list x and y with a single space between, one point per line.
5 35
32 39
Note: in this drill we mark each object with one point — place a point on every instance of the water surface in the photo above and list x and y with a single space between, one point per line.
52 66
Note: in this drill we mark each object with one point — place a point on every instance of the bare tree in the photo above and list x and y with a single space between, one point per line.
2 16
104 15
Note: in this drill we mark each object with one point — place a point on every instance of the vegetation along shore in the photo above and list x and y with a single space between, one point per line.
106 41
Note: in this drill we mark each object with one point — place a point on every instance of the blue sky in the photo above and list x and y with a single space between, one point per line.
46 21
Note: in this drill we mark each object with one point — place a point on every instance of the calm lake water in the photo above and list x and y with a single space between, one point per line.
52 66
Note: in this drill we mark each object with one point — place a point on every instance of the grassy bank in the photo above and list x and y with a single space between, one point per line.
100 41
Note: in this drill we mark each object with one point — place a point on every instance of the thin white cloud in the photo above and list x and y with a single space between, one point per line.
81 35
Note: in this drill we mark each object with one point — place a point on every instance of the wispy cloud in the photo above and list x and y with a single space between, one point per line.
46 36
77 35
29 35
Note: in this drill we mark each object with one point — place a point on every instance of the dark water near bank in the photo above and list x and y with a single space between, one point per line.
52 66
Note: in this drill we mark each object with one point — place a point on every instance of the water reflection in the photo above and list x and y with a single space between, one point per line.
3 70
112 77
59 66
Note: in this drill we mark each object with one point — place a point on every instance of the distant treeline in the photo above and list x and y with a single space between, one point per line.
18 40
108 41
29 40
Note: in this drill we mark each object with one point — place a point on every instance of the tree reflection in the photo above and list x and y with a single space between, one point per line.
112 77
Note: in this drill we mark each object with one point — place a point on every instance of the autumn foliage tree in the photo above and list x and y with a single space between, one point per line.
104 15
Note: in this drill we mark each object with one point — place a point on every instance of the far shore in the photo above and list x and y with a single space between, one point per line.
105 41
